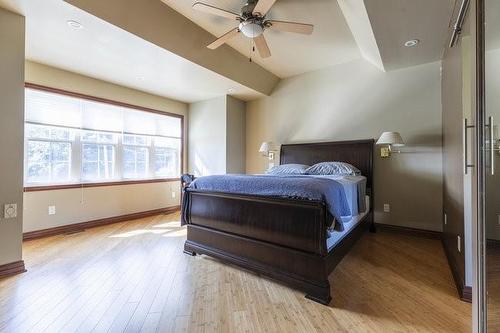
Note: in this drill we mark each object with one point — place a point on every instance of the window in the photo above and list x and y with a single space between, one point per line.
135 156
72 140
167 156
48 154
98 155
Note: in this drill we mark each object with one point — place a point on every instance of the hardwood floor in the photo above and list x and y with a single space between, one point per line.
133 277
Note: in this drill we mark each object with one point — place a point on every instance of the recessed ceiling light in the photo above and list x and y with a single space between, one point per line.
230 90
74 24
411 42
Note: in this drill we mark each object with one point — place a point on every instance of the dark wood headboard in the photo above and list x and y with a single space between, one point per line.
358 153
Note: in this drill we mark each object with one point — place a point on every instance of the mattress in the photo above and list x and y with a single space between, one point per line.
355 191
337 236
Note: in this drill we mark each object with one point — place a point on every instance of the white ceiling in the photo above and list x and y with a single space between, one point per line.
390 22
331 42
105 52
396 21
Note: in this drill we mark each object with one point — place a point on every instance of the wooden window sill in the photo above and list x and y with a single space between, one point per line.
87 185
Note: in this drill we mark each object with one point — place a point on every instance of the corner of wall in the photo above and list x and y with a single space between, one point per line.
12 57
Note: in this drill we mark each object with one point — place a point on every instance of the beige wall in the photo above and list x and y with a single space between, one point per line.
235 145
77 205
207 137
11 132
87 204
217 136
357 101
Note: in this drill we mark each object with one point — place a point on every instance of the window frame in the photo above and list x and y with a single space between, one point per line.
81 184
148 159
71 144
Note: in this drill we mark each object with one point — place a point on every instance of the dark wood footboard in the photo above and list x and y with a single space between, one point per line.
296 224
282 239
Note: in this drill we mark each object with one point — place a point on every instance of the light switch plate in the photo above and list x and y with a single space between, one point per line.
52 210
10 211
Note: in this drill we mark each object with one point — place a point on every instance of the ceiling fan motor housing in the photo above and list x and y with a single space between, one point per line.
247 9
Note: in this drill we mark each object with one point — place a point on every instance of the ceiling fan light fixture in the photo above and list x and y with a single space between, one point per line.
251 29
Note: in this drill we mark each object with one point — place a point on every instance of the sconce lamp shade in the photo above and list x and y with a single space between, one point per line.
391 138
265 147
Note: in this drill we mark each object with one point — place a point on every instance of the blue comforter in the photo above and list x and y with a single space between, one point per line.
283 186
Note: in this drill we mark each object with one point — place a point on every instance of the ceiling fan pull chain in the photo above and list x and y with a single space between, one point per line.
253 49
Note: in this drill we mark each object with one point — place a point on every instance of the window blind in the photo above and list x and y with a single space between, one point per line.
50 109
59 110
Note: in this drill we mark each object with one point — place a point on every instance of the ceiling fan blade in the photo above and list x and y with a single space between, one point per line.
203 7
263 6
262 46
300 28
224 38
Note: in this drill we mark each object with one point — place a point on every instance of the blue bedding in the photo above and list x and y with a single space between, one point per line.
283 186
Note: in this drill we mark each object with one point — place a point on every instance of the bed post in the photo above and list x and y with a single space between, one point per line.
321 294
373 226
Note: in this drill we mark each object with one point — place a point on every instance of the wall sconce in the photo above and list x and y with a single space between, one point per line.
267 149
390 139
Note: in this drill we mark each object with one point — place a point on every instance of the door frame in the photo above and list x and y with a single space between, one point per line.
479 282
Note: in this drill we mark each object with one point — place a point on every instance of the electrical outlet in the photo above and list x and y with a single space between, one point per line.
173 194
498 219
459 244
52 210
10 211
387 208
445 219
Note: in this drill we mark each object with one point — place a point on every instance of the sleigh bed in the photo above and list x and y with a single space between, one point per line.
286 239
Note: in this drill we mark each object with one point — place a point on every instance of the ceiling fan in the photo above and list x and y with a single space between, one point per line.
253 23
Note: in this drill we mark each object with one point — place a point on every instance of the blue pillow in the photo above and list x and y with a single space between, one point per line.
333 168
288 169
